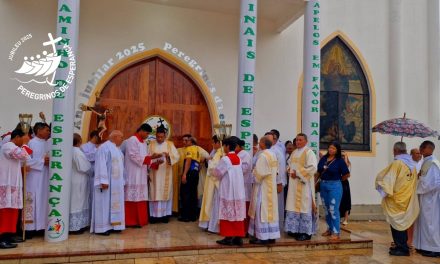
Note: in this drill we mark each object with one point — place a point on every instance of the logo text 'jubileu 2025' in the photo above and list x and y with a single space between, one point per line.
40 69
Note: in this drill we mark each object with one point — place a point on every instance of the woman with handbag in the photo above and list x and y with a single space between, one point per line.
332 169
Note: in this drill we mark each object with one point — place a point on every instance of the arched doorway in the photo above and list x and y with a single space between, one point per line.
155 87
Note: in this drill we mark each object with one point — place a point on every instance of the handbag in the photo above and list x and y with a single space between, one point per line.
318 176
317 182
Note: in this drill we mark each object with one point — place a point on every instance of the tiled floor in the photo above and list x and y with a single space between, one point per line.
201 248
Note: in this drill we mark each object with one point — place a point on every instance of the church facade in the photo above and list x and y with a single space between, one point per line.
178 63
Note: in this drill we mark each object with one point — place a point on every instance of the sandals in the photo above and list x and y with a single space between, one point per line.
334 238
326 233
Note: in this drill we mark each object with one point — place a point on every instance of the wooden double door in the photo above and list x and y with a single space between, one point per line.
155 87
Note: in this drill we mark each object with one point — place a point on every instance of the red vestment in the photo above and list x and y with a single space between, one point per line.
8 220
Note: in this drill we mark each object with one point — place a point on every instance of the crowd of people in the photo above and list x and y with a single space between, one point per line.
128 183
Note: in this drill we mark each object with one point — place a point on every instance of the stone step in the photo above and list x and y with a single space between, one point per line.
148 256
363 213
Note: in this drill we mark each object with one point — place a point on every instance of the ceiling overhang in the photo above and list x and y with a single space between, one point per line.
281 12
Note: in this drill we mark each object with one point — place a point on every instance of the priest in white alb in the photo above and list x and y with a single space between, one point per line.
281 177
79 217
91 146
232 196
37 181
137 161
300 202
427 226
89 150
280 150
209 211
246 165
263 211
161 177
12 155
108 198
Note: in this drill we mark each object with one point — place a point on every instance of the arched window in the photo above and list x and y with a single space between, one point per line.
345 98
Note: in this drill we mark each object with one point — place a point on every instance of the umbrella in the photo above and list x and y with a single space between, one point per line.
405 127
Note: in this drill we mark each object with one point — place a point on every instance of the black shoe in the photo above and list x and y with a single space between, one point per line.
115 231
15 240
136 226
165 220
79 232
181 219
153 220
6 245
271 241
259 242
252 240
303 237
237 241
40 233
106 233
420 251
398 252
28 234
294 235
227 241
431 254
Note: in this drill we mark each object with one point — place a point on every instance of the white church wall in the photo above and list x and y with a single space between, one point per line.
20 18
366 23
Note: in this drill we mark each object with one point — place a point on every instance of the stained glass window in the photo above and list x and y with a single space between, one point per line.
345 99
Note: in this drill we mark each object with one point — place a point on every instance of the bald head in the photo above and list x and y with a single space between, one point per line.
416 155
270 136
265 142
116 137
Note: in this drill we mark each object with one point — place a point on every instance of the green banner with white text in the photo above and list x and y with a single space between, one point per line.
62 122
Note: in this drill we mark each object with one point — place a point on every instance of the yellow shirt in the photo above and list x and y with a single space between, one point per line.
192 152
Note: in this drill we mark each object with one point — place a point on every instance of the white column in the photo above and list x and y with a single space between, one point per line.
395 48
312 74
434 65
395 66
246 72
62 123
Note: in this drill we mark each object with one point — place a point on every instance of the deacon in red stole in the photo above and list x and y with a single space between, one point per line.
136 164
12 154
232 209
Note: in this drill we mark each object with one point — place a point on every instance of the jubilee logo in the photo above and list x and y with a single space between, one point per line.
36 72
